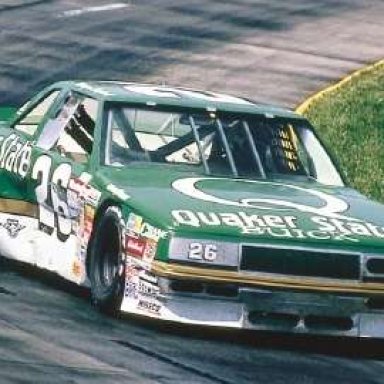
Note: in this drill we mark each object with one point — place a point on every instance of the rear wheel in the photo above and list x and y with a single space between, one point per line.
106 264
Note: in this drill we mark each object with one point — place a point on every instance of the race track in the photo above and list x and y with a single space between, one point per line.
271 51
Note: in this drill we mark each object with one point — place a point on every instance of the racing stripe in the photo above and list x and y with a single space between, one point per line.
175 271
18 207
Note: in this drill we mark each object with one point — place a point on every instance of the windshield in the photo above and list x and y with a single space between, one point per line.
251 146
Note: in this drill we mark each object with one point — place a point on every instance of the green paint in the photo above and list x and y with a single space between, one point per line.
298 214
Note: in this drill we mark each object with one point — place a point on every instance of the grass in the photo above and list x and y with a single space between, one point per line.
351 123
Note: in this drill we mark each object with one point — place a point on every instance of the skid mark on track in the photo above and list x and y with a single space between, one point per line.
5 291
100 8
173 362
34 363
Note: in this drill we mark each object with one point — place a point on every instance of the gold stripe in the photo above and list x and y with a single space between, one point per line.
298 283
304 106
18 207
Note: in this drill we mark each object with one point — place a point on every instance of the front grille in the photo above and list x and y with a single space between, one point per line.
375 266
328 323
289 321
274 319
212 289
300 262
375 303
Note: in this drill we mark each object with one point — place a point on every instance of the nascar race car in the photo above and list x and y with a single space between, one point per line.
190 206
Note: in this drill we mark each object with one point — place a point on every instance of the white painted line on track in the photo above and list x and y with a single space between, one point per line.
100 8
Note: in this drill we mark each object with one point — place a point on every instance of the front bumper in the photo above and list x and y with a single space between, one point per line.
213 298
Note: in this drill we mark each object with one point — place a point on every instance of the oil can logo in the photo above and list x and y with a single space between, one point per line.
13 227
327 206
324 222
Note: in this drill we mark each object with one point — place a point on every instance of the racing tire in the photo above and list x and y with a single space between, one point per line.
106 267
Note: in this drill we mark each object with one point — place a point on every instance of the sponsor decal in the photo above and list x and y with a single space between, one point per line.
134 223
327 219
82 199
148 289
240 219
140 284
151 232
331 206
15 155
79 192
135 246
77 269
131 281
140 247
13 227
141 238
138 226
281 226
152 306
150 250
89 217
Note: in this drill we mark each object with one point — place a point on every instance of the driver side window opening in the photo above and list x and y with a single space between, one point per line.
30 122
70 132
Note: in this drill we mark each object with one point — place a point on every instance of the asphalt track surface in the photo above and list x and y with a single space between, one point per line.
271 51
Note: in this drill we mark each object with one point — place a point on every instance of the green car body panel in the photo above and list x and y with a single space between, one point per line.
285 253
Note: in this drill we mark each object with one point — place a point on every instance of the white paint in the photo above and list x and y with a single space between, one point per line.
95 89
18 247
118 192
152 91
332 207
215 97
38 248
159 91
100 8
85 177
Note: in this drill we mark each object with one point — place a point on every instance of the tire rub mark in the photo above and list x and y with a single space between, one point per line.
171 361
100 8
5 291
70 368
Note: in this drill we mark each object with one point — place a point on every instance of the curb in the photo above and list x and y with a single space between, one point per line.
305 105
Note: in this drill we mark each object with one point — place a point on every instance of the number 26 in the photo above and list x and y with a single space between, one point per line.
53 210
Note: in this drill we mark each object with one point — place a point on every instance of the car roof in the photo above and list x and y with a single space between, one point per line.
152 94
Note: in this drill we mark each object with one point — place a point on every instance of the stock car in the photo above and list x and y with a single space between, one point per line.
192 207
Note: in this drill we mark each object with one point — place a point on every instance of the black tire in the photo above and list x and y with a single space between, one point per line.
106 265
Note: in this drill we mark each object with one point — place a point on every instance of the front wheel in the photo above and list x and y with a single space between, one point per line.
106 264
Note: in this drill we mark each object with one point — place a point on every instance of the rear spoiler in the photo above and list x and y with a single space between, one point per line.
7 113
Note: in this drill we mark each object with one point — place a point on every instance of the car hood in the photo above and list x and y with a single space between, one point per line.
299 211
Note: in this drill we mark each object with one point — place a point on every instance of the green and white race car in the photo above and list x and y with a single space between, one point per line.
190 206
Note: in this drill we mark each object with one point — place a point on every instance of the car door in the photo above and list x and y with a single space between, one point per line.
58 167
17 208
60 161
